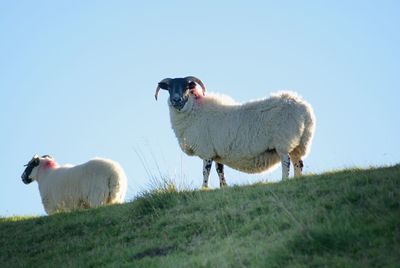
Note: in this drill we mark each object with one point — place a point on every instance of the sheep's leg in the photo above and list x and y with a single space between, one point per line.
298 166
285 161
297 163
220 170
206 172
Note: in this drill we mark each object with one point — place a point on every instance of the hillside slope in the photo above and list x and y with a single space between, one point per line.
348 218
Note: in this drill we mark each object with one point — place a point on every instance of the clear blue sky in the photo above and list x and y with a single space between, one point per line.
77 80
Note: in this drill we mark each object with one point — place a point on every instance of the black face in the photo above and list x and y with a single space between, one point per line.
29 167
179 90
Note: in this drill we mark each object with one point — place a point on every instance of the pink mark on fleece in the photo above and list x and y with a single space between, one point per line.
198 100
50 164
198 93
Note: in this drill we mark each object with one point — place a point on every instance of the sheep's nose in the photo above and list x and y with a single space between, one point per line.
177 99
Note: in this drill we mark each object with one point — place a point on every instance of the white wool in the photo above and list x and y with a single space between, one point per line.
92 184
222 99
249 136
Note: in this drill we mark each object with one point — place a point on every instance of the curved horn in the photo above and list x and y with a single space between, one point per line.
198 81
165 80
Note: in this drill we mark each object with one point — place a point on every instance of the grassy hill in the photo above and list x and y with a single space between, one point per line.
349 218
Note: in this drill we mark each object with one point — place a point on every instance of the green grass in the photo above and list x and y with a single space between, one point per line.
348 218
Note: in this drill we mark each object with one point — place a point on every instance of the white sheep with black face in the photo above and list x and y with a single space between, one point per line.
66 188
250 137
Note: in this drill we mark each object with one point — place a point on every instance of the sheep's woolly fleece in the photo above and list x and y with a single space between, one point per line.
92 184
248 136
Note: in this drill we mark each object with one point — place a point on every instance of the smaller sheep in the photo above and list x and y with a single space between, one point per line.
66 188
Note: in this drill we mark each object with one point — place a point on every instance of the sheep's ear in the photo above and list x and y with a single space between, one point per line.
163 85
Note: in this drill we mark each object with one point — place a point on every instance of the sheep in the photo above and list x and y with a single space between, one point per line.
66 188
251 137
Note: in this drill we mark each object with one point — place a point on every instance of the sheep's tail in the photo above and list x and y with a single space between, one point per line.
117 186
308 133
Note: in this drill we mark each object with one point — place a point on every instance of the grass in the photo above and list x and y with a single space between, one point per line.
348 218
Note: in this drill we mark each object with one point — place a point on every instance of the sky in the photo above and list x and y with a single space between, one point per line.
77 80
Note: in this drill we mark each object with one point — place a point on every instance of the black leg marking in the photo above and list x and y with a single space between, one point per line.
301 164
298 168
285 161
220 170
208 166
206 172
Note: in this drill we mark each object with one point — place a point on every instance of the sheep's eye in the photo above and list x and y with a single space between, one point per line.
192 85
